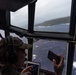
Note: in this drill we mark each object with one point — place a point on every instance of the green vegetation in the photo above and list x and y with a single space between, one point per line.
55 21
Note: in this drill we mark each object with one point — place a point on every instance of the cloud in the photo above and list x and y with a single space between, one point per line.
20 17
52 9
45 10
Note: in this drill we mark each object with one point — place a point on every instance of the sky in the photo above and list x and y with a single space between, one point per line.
45 10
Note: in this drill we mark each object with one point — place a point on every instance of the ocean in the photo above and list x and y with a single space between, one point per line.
42 46
53 28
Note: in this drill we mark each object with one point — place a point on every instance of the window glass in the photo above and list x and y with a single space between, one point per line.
74 63
52 15
2 33
40 52
24 39
20 18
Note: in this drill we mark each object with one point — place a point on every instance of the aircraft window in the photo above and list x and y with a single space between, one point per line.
74 63
20 18
23 38
41 48
55 18
2 33
53 15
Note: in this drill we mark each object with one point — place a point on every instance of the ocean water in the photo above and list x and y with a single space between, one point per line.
42 46
53 28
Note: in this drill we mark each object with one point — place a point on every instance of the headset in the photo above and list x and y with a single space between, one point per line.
11 54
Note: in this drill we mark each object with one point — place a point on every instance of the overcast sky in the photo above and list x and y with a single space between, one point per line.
45 10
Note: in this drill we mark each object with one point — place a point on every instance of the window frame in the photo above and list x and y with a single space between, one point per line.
30 33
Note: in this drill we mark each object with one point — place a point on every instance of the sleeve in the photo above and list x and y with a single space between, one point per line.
23 74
